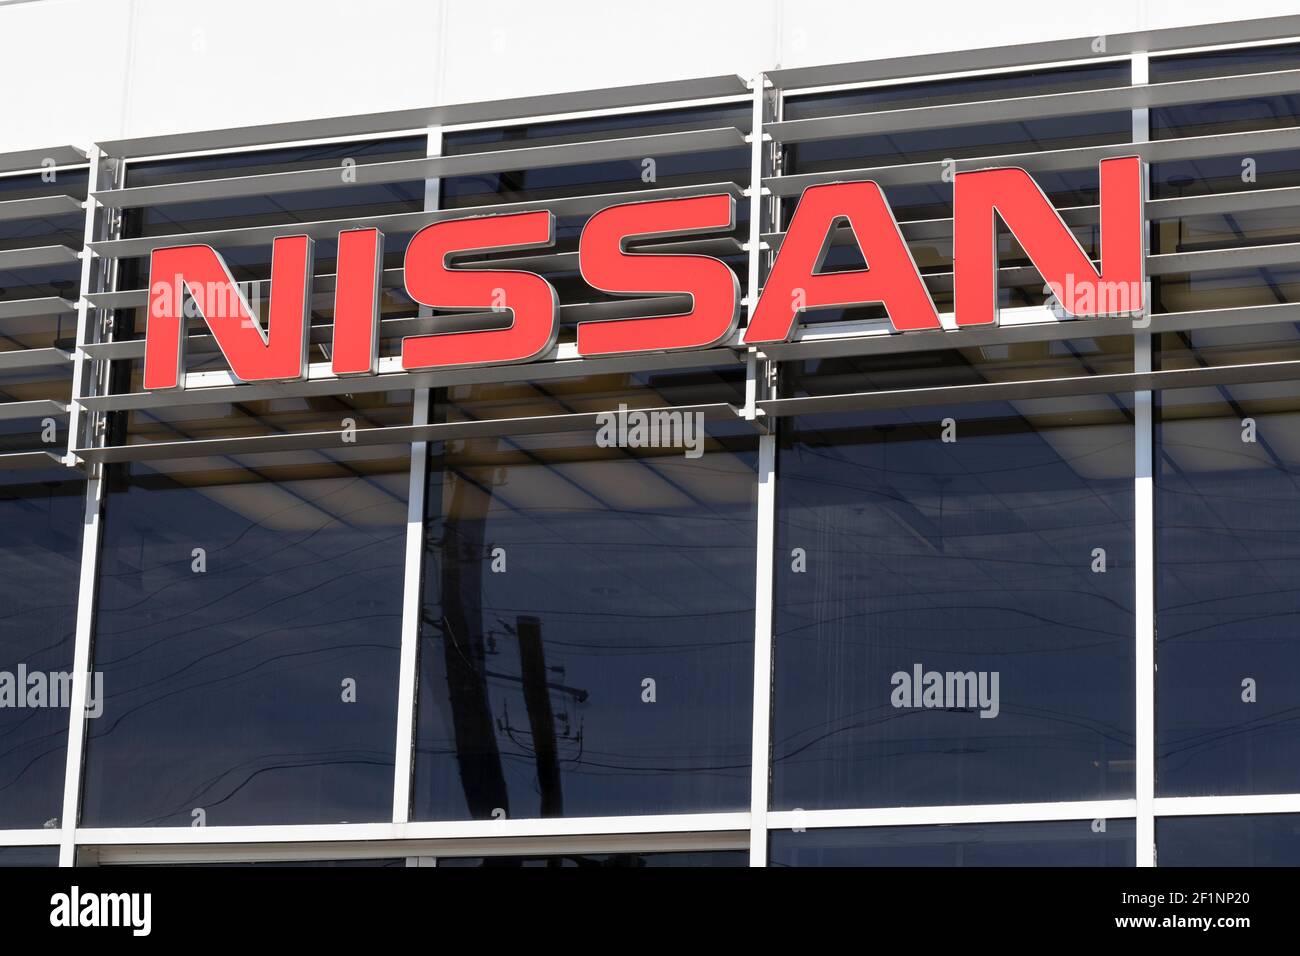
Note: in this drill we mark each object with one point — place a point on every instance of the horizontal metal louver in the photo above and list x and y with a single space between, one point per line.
42 216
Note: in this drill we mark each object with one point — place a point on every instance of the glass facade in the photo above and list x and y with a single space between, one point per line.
1001 575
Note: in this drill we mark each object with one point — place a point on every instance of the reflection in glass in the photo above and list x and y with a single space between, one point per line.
248 630
29 856
1245 840
586 647
1227 598
41 516
954 616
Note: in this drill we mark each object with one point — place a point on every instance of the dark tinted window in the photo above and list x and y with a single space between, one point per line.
262 688
1247 840
40 559
1064 843
1227 599
945 631
587 639
29 856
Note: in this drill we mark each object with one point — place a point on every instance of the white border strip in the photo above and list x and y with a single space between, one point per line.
1221 806
447 830
50 837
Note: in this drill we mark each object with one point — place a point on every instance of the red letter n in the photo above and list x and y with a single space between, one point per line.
276 354
1081 289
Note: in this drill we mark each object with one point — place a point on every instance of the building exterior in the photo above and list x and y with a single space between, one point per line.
967 594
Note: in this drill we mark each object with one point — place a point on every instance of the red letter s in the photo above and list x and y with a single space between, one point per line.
607 265
530 298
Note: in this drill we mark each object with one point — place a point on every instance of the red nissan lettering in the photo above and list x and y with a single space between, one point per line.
356 302
796 284
277 354
1082 289
607 265
530 299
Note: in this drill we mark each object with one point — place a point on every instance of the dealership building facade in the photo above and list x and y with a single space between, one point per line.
1020 593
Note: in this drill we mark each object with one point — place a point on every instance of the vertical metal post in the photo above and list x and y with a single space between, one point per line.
82 361
757 386
761 751
412 591
87 577
1144 554
81 664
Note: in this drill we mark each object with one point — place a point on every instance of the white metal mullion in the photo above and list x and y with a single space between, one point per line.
757 385
82 361
88 568
1254 803
761 749
42 837
412 591
403 755
522 828
1144 742
80 669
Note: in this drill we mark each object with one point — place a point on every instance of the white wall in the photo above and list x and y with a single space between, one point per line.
74 71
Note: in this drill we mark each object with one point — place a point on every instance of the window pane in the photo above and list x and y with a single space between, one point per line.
29 856
40 559
1063 843
1265 840
587 642
1227 601
253 680
954 619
